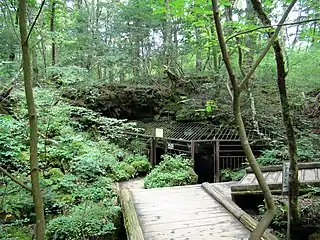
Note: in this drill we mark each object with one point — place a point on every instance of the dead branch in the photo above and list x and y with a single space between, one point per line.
15 179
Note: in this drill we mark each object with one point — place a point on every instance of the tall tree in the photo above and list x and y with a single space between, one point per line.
52 29
34 169
287 120
237 89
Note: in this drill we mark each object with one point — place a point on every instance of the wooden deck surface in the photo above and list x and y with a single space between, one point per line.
187 212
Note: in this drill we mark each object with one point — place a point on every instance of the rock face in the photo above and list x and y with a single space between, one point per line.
124 102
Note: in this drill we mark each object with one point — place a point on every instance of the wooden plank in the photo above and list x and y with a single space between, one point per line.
274 176
168 194
174 205
177 210
167 198
186 200
201 232
300 175
309 175
249 178
279 181
186 216
218 220
168 189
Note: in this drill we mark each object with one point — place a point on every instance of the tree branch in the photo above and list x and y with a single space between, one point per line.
271 26
246 79
15 180
35 20
223 47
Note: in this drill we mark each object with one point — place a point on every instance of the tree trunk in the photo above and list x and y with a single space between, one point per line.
36 191
237 89
167 33
198 51
287 120
52 29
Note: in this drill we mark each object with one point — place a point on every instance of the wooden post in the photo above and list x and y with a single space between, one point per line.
153 152
165 143
217 161
193 149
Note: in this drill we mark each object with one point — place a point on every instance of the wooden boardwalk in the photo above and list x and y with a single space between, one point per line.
187 212
309 175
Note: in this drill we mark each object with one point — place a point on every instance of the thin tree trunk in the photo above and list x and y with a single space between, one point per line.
36 191
198 51
167 33
287 120
52 29
237 89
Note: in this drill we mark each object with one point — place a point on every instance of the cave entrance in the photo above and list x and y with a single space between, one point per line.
211 148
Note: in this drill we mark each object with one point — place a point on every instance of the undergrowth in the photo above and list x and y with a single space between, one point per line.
172 171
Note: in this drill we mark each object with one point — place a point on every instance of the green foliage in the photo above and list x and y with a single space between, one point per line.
12 144
232 175
90 166
16 202
194 109
306 149
172 171
123 171
15 232
98 191
110 128
272 157
86 221
139 163
136 146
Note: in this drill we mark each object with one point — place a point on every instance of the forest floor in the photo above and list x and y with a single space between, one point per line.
136 183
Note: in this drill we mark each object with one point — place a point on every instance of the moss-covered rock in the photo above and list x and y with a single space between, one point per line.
123 101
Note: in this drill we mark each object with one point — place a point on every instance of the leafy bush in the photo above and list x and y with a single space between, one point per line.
136 146
232 175
123 171
306 149
66 149
16 201
90 166
95 192
86 221
172 171
15 232
272 157
139 163
12 144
